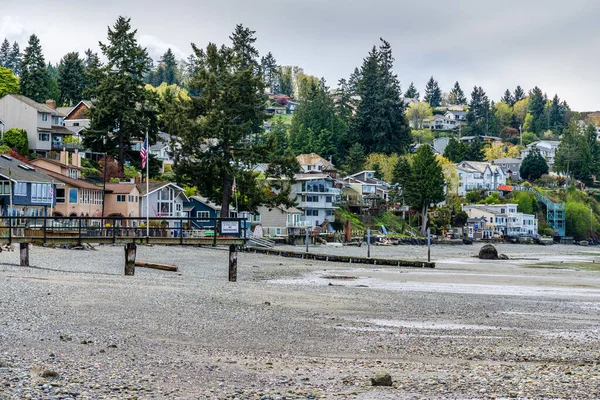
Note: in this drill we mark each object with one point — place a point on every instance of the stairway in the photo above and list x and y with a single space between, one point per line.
556 213
260 242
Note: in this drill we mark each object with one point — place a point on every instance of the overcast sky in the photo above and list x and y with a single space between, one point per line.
553 44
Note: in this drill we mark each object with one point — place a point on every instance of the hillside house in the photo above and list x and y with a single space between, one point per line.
365 183
473 175
503 219
316 197
42 122
547 149
510 166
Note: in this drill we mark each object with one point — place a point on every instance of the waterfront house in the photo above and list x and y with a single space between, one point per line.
29 190
316 197
203 211
122 200
165 199
504 219
279 220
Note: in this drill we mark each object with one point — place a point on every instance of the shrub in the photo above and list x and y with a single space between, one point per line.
579 220
17 139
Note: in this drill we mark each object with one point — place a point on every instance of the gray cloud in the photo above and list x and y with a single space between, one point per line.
496 45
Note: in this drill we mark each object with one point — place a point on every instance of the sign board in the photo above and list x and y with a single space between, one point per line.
230 227
476 227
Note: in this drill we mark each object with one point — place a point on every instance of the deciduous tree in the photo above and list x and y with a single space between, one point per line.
9 83
417 113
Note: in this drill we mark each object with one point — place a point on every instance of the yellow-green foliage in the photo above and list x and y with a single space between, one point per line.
341 215
386 163
391 222
582 211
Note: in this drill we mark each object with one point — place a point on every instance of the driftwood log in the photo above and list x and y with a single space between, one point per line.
164 267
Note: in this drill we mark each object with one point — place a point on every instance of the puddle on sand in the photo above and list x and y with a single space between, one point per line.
428 325
396 281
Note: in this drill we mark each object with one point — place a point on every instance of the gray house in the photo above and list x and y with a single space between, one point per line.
42 122
280 221
510 166
165 200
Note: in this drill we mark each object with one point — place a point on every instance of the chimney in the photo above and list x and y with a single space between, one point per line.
64 157
51 103
76 159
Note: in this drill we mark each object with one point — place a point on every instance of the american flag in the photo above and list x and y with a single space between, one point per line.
144 153
51 192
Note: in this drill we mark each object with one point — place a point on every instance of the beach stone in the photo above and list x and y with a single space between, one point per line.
584 243
381 379
503 257
467 240
488 252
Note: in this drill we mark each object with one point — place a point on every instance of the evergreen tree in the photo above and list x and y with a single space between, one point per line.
14 59
169 68
533 165
286 80
508 98
354 81
412 92
478 114
92 73
380 123
474 151
455 151
456 95
269 69
243 44
424 184
356 159
71 79
519 94
316 126
5 54
280 137
557 115
343 101
433 93
537 103
216 145
573 156
53 89
123 110
34 75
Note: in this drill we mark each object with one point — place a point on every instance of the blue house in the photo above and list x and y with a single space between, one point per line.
29 191
202 210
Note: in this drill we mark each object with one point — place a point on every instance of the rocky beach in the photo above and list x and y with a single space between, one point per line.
72 326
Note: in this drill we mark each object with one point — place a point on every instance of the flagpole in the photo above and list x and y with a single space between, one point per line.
237 211
147 185
51 199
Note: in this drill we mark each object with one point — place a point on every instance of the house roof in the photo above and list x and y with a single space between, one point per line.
308 177
80 183
507 161
64 110
20 171
208 203
55 162
477 166
311 159
163 140
154 186
87 103
61 130
43 108
120 188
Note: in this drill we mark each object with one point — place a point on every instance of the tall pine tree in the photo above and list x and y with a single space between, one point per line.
243 44
34 74
123 110
537 103
456 95
92 73
343 100
269 70
412 92
169 63
478 114
4 53
14 59
380 123
433 93
508 98
519 94
71 79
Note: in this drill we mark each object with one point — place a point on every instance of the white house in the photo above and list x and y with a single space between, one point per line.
313 162
547 149
474 175
165 200
316 197
504 219
440 122
456 115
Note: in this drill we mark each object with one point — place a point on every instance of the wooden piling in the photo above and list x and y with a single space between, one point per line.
24 248
130 249
232 263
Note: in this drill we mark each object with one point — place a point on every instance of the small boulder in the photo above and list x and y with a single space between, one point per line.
467 240
584 243
488 252
381 379
503 257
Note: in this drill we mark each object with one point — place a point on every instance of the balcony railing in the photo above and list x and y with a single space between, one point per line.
298 224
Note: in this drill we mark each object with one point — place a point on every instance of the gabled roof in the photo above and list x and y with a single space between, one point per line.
154 186
80 183
308 177
43 108
507 161
20 171
120 188
209 204
311 159
87 103
55 162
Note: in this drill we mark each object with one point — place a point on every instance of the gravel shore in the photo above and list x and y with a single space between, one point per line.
73 327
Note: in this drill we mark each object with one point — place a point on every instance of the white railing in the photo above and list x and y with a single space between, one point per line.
298 224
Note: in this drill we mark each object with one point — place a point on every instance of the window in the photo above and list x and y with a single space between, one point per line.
75 123
328 199
121 198
256 218
20 189
44 137
130 198
328 213
40 192
44 117
203 215
73 196
5 187
312 199
278 231
85 196
313 213
232 214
